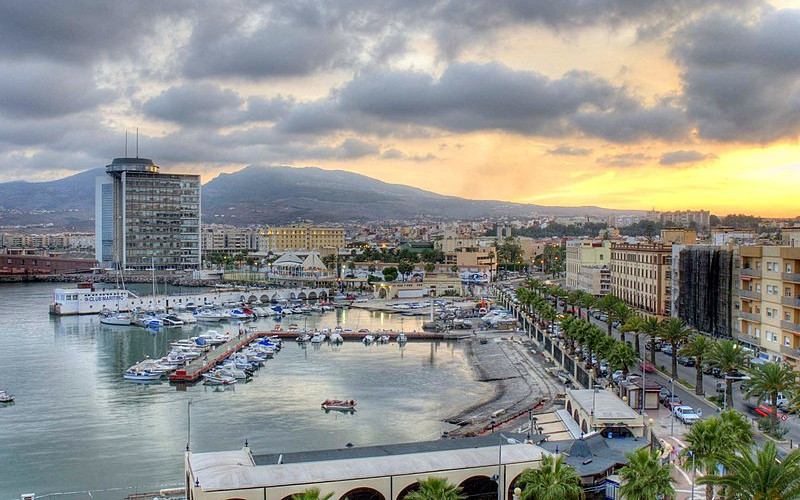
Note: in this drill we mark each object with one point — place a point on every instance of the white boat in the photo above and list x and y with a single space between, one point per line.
6 397
318 338
217 378
368 339
383 339
336 338
210 316
171 320
115 319
401 338
303 337
231 371
187 318
141 375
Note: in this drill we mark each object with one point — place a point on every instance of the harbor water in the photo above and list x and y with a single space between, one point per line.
77 427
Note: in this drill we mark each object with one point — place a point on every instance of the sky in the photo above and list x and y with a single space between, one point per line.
628 104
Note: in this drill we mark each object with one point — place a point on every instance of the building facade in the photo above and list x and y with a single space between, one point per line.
687 218
585 261
144 218
641 276
769 305
229 240
678 235
301 237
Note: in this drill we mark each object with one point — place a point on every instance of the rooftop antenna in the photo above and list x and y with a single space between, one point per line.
137 142
126 143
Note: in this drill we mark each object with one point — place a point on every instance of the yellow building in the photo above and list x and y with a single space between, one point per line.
769 305
474 260
678 235
791 236
301 237
587 257
641 276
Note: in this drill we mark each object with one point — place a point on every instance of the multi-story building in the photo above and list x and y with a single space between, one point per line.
145 218
705 288
678 235
474 260
585 260
687 218
769 306
791 236
724 235
301 237
641 276
229 240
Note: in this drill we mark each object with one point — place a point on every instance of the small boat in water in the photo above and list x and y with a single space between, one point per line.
6 397
303 337
318 338
217 378
368 339
116 319
401 338
336 338
142 375
383 339
339 405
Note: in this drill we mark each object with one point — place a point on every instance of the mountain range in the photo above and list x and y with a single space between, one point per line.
270 195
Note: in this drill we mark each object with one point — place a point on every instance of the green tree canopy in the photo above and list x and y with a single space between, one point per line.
435 488
645 477
553 480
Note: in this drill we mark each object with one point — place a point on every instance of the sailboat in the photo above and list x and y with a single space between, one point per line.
116 318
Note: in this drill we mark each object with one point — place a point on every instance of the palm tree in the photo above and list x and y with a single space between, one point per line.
738 429
574 298
607 304
652 328
635 325
621 313
554 480
436 488
727 356
622 358
645 477
698 348
605 345
761 478
767 380
675 331
585 301
311 494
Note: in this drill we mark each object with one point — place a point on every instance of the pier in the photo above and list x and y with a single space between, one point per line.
195 369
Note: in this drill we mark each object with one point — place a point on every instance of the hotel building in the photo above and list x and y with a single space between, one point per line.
144 218
587 266
301 237
641 276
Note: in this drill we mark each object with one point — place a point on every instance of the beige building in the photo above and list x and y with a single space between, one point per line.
596 410
473 260
769 309
451 243
595 280
641 276
531 248
678 235
587 257
701 218
229 240
301 237
791 236
721 236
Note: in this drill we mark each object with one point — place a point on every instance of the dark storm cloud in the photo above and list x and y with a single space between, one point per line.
683 157
39 89
195 104
569 151
742 76
80 30
631 122
352 148
470 97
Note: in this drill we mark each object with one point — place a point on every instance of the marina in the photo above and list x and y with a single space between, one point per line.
116 437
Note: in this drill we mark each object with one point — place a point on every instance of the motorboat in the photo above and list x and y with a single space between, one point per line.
318 338
210 316
232 371
217 378
187 318
238 314
401 338
339 405
303 337
336 338
6 397
171 320
368 339
383 339
141 375
115 319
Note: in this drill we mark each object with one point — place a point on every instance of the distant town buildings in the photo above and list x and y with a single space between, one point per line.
721 236
301 237
144 218
229 240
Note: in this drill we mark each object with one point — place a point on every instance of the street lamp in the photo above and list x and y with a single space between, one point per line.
651 421
671 409
517 493
691 453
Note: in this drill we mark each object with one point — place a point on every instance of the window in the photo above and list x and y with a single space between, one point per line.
787 341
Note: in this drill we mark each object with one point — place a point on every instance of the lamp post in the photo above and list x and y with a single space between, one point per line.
651 421
530 422
517 493
672 410
693 472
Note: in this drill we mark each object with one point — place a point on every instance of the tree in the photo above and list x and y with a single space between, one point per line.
389 273
767 380
652 328
311 494
607 303
404 268
372 268
635 325
622 358
761 478
727 356
675 331
645 478
435 488
698 348
621 313
554 480
454 269
429 267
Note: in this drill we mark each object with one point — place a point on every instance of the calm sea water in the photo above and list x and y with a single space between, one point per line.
78 426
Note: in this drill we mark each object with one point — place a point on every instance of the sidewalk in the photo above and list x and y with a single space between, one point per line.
672 431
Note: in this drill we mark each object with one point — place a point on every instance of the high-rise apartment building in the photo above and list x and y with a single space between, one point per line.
229 240
145 218
641 276
587 266
301 237
769 306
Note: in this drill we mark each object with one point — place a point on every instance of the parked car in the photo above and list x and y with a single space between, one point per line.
663 394
667 349
672 401
686 414
647 367
617 376
686 360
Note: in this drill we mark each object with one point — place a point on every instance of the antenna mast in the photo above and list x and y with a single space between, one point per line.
137 142
126 143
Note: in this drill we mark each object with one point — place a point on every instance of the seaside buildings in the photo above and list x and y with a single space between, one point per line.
301 237
144 218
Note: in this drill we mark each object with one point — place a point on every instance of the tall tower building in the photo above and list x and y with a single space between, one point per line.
144 218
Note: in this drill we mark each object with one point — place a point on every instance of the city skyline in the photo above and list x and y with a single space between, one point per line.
642 105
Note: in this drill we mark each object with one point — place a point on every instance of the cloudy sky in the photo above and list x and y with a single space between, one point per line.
665 104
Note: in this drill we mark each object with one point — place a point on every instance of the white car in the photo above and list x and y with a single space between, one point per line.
686 414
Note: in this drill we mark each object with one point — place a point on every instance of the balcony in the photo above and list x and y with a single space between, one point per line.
792 327
788 301
746 271
750 295
793 277
747 339
755 318
790 351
